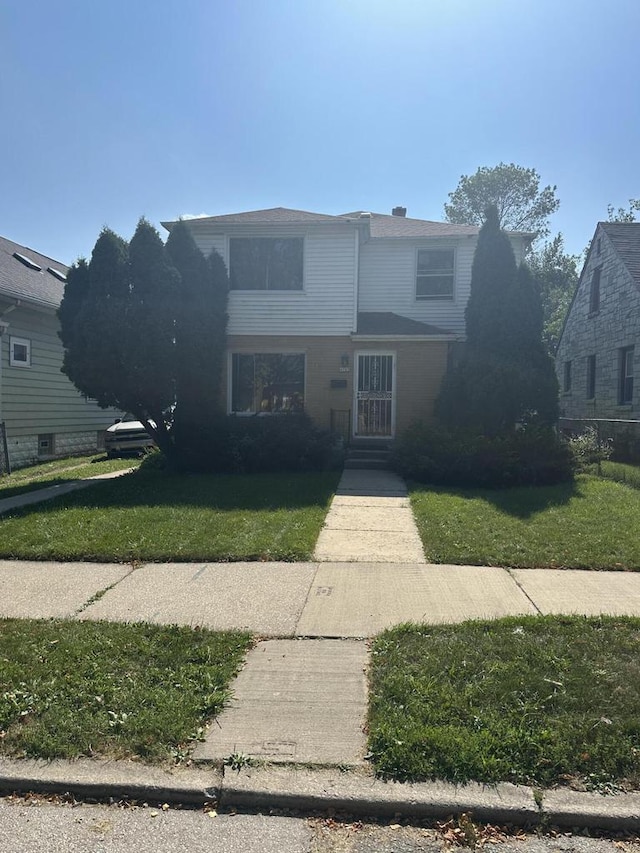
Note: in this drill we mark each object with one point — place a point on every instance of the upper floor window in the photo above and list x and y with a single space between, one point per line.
19 352
266 263
435 273
594 295
566 384
591 377
626 374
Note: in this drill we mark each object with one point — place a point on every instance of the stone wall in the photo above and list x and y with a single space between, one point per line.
601 333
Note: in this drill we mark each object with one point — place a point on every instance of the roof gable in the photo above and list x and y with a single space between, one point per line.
625 238
21 280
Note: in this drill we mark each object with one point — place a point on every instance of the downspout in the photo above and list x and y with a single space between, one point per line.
356 294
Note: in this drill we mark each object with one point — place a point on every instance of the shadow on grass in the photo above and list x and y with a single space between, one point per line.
251 492
520 502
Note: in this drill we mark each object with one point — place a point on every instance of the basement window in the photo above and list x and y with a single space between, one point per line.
45 444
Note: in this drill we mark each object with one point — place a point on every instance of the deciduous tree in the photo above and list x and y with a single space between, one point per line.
514 190
556 274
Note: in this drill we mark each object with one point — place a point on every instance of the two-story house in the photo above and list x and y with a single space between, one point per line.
43 413
599 350
350 317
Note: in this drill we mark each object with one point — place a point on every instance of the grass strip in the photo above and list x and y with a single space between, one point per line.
60 471
532 527
70 689
532 700
152 515
621 472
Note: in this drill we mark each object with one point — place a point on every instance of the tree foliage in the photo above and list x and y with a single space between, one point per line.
556 275
514 190
143 330
505 375
623 214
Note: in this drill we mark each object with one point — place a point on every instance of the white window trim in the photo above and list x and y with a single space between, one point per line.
25 342
446 299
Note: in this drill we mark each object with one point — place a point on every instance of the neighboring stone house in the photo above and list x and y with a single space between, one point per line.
43 413
598 354
350 317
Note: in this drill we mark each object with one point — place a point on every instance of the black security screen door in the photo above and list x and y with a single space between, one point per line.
374 410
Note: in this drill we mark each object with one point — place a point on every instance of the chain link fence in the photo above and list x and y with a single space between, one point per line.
622 434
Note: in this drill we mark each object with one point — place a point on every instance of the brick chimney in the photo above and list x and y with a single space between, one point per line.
399 211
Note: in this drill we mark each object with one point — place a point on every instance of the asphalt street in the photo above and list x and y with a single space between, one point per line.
35 825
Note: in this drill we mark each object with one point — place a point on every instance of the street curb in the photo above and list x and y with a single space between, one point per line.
359 793
307 790
111 780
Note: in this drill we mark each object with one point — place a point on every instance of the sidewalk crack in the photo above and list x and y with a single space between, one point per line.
524 592
102 592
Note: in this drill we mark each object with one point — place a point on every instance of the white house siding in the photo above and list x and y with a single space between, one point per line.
326 304
603 333
388 279
40 400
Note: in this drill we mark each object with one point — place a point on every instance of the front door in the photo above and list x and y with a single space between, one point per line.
374 404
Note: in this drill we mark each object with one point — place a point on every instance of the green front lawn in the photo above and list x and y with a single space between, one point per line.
534 700
70 689
151 515
60 471
590 524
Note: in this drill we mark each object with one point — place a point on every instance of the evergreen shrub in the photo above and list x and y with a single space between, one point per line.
251 445
532 456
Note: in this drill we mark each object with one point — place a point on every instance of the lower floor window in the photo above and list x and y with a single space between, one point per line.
626 374
267 383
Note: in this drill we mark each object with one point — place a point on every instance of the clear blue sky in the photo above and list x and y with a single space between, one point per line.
114 110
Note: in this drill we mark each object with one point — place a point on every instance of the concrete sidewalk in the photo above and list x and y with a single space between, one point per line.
300 701
49 492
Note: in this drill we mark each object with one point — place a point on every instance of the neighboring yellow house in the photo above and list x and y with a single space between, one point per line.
350 317
43 413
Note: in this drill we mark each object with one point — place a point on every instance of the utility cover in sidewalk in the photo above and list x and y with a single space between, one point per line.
295 701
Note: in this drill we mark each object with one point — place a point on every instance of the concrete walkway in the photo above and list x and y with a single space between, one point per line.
370 520
49 492
301 698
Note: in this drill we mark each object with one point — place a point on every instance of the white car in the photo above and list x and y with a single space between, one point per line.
127 436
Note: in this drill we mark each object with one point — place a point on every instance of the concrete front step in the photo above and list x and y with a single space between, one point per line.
375 464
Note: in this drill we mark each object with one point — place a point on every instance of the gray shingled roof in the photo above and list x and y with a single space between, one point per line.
21 282
388 323
380 225
625 237
270 216
384 225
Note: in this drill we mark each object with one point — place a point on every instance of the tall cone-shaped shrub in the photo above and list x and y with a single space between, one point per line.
505 376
